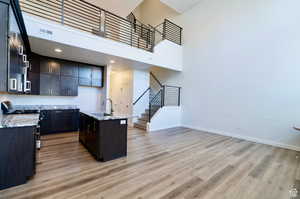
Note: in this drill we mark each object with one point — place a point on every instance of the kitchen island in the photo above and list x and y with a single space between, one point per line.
17 148
105 137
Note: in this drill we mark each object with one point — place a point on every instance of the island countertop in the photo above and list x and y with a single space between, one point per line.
101 117
19 120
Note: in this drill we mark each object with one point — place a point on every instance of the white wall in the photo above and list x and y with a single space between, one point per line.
241 69
145 12
121 91
89 99
168 77
141 81
166 117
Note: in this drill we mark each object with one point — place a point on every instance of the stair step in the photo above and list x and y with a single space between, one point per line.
145 115
139 126
142 121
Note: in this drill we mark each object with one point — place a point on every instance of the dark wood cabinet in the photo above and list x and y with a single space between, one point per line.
3 46
69 69
50 66
68 86
105 139
46 122
17 152
56 121
51 76
85 75
49 84
34 63
34 78
97 77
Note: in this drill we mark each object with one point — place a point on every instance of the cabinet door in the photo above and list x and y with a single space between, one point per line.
85 72
35 83
49 84
97 77
3 46
45 84
17 155
35 63
55 85
82 128
50 66
64 120
69 69
46 122
69 86
85 75
113 139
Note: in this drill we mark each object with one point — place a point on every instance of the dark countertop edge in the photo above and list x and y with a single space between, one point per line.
105 118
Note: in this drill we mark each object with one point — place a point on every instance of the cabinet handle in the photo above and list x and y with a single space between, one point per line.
24 58
13 84
21 50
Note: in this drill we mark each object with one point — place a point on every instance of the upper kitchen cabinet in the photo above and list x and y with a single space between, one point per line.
34 63
85 75
14 49
69 69
3 46
90 76
68 86
50 66
97 77
49 85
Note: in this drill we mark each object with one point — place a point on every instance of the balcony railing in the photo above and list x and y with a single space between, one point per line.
90 18
169 31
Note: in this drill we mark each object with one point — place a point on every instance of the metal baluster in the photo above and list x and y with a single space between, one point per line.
62 12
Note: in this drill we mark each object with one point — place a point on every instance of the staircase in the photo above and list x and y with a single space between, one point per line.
142 121
159 96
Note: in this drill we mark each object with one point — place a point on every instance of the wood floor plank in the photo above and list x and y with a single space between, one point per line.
172 163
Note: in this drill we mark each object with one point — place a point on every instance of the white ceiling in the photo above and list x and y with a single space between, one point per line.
46 48
119 7
180 5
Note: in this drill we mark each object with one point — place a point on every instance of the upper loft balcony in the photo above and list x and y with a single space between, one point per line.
83 25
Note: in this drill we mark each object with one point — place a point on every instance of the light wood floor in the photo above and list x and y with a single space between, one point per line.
174 163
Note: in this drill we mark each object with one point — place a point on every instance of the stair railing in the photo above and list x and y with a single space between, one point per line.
165 95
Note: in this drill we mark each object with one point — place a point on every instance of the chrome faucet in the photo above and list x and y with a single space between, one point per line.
111 106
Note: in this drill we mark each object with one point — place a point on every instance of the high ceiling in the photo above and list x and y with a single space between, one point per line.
120 7
180 5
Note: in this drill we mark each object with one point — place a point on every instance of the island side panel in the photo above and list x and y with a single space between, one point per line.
113 139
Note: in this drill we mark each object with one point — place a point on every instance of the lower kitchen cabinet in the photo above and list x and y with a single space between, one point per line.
18 156
105 139
56 121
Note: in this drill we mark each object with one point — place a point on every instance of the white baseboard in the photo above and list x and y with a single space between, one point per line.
163 128
252 139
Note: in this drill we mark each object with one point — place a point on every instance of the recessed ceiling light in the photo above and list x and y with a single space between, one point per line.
112 61
57 50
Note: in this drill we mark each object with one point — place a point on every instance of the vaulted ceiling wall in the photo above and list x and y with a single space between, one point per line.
119 7
180 5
